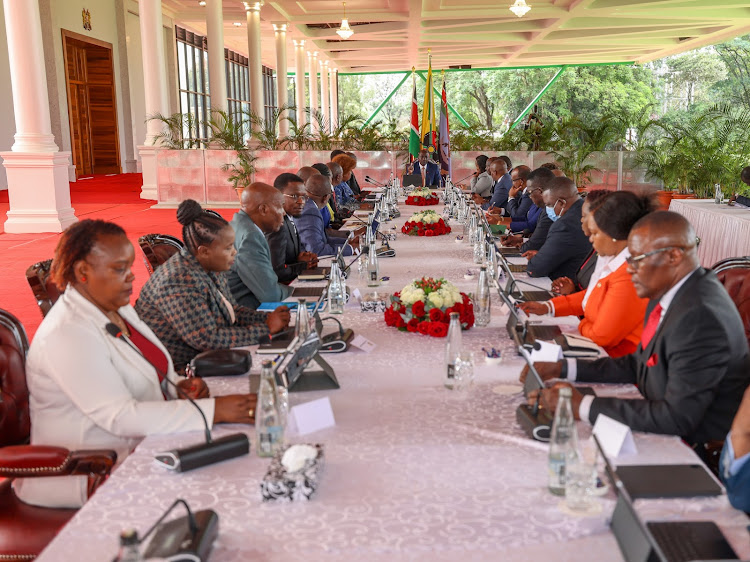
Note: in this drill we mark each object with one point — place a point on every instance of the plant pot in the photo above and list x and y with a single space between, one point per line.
684 196
239 191
664 198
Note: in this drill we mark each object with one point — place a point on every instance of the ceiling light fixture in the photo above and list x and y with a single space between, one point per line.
344 31
202 3
520 8
237 24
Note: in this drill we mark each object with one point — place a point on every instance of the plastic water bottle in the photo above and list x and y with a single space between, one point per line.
336 291
482 300
479 245
718 196
452 349
129 547
269 431
563 445
302 326
373 271
473 229
492 261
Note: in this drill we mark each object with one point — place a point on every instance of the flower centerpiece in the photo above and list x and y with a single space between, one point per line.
425 223
425 306
423 196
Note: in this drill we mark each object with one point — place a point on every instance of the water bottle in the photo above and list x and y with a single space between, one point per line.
452 349
269 432
362 263
492 261
482 300
336 291
718 196
479 245
302 327
373 272
473 229
563 445
129 547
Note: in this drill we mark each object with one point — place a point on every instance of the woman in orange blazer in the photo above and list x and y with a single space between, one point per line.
612 314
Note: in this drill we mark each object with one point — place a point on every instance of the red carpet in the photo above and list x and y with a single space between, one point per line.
113 198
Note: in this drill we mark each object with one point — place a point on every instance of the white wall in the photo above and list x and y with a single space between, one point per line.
7 123
137 92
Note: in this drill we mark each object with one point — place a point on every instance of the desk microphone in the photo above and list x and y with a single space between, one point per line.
466 178
197 456
368 179
515 282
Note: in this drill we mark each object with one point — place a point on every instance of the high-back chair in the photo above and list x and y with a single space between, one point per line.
26 529
158 248
45 291
734 274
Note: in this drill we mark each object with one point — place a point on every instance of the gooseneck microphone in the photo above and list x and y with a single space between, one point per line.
466 178
211 451
368 179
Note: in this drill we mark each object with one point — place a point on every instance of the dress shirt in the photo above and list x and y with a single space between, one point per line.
604 266
733 465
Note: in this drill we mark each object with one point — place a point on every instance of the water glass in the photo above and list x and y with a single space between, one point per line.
580 484
464 370
282 397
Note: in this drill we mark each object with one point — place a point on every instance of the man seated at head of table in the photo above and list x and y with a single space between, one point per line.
691 365
90 390
252 279
734 467
536 182
310 225
187 302
288 256
612 311
566 246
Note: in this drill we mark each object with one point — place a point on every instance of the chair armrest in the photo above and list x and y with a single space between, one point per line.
28 461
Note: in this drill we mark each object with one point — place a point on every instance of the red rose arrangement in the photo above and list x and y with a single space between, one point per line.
420 201
425 305
425 223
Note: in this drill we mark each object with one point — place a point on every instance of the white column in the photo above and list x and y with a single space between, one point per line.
299 58
282 83
217 74
324 97
313 75
255 69
334 78
38 188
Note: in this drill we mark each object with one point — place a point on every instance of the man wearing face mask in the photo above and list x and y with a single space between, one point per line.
566 245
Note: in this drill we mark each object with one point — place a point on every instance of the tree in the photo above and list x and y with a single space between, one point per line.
735 54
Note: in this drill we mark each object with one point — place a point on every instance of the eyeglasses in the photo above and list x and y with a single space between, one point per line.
635 261
302 198
517 179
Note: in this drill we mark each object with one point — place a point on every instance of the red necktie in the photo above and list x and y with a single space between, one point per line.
651 326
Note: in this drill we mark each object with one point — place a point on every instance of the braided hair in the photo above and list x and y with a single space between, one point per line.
199 227
75 244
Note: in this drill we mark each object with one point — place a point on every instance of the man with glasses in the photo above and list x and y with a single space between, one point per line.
312 232
287 254
538 223
691 365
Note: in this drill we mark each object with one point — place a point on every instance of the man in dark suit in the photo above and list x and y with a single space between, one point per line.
312 232
498 170
428 169
735 458
536 183
692 363
519 200
287 255
566 246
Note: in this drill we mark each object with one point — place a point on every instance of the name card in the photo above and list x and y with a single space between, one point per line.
311 417
616 438
361 342
547 353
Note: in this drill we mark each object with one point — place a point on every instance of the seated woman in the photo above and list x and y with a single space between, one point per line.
481 183
341 189
91 390
187 302
612 312
566 285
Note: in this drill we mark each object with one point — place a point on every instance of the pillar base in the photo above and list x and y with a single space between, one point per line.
38 191
149 189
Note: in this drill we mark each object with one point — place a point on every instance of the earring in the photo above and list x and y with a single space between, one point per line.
83 279
614 239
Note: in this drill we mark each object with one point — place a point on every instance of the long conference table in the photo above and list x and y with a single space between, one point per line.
413 471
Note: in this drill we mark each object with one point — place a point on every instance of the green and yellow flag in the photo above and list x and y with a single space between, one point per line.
428 133
414 144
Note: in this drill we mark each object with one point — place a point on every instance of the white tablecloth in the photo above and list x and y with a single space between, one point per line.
412 472
724 231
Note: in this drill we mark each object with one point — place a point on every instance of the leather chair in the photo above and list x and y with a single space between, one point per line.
158 248
26 529
45 291
734 274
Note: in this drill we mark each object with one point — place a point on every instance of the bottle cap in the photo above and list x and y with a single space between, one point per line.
129 537
566 392
483 267
267 364
455 315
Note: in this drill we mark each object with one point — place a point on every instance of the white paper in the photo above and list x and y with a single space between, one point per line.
311 416
547 352
616 438
361 342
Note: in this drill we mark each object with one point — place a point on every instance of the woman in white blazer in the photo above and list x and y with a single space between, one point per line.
89 390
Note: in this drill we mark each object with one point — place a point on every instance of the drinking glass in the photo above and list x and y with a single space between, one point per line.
464 369
580 483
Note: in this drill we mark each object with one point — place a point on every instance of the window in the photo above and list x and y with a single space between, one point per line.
192 66
269 92
238 88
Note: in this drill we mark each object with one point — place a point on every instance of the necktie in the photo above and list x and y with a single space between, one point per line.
651 326
424 173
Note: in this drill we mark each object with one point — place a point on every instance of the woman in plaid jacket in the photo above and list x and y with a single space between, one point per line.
187 302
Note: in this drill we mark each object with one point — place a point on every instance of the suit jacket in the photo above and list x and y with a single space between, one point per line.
285 248
500 193
519 206
693 372
737 485
529 222
313 235
92 391
565 248
252 279
432 175
482 184
181 302
614 314
539 236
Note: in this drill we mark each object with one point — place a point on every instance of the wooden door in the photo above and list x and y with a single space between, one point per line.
92 107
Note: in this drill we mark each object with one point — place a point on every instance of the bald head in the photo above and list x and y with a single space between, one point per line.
563 188
337 172
319 186
307 171
666 228
263 203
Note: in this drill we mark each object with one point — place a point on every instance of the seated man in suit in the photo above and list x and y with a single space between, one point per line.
287 255
535 230
735 458
501 187
691 365
310 226
519 201
428 169
566 246
252 279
